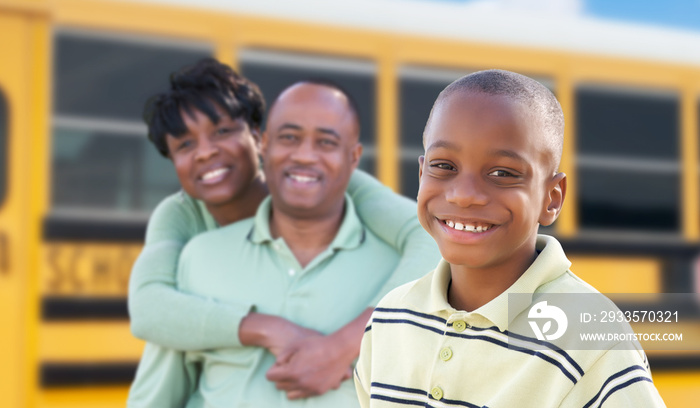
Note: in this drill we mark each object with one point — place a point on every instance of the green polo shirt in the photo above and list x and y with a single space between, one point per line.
418 349
160 314
243 263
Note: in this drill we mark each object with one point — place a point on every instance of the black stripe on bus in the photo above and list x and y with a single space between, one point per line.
599 245
86 374
683 361
78 308
63 228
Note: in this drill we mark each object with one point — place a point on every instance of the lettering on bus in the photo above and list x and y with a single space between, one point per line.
87 269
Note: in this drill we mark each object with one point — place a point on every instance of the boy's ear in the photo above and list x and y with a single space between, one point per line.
556 192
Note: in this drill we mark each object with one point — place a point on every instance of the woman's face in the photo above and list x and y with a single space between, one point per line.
215 162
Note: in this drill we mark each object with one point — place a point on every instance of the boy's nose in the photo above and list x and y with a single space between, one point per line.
465 191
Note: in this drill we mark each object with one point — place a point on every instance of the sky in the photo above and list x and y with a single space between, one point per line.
679 14
683 14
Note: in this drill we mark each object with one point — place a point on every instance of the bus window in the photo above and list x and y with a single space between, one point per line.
103 164
627 163
3 147
273 71
418 89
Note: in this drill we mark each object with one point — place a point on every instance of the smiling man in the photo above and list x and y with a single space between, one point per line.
305 264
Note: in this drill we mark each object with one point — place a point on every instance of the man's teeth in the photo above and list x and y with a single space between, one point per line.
462 227
302 179
214 173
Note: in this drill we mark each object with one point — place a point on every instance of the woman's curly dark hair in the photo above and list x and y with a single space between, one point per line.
198 87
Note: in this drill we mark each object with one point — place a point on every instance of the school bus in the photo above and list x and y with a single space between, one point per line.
78 177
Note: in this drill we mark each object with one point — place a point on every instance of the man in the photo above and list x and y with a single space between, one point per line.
304 261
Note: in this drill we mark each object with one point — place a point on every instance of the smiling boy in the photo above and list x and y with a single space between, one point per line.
488 179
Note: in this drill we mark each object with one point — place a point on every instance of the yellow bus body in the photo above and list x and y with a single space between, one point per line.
34 268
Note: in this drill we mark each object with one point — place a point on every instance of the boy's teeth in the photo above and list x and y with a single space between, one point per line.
462 227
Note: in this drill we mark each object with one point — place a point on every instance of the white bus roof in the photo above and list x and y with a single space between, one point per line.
549 24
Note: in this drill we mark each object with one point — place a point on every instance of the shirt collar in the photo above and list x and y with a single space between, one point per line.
209 221
551 262
350 234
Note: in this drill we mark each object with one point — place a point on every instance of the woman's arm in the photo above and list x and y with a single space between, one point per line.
164 378
159 313
393 218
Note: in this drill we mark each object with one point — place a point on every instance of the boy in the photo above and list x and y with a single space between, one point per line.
488 179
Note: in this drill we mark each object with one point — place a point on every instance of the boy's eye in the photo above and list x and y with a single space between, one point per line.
501 173
442 166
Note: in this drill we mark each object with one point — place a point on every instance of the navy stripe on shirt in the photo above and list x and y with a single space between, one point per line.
618 387
418 393
535 353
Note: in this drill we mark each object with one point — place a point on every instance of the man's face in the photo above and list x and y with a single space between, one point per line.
310 149
486 180
215 162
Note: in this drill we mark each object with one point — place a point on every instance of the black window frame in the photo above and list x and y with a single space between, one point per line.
4 146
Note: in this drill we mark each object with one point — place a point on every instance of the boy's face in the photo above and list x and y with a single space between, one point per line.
215 162
487 179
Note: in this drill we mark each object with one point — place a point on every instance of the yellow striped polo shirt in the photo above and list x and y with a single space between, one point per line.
419 351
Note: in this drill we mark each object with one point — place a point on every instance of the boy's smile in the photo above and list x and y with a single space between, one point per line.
485 182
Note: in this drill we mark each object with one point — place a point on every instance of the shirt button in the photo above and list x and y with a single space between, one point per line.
436 392
459 325
446 354
292 272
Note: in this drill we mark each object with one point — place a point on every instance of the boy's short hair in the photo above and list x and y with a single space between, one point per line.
536 97
198 87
